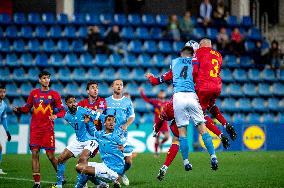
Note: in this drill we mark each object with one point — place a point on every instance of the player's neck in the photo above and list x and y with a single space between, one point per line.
109 131
43 88
92 99
117 96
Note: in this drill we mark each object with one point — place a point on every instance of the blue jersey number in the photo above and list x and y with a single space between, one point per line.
183 72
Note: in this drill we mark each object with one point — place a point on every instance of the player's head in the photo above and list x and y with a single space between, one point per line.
126 94
117 86
2 91
110 122
187 51
205 43
44 78
162 94
92 89
71 103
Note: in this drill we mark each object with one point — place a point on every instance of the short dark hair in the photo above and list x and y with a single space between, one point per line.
110 116
91 83
43 73
69 97
162 90
189 50
2 85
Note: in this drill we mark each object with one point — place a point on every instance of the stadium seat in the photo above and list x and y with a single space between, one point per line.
268 75
232 21
226 76
26 60
268 118
52 71
120 19
41 60
244 105
127 33
142 33
165 46
56 60
106 19
5 19
94 74
250 90
168 60
64 74
12 60
239 118
40 32
254 34
33 74
19 18
101 60
253 118
162 20
156 33
77 46
70 32
124 74
138 74
154 71
150 46
148 19
5 74
132 89
212 33
48 46
116 60
144 60
11 32
240 75
79 75
12 90
246 62
246 21
254 75
278 89
25 89
79 19
1 33
86 60
104 90
130 60
134 19
148 118
19 75
198 33
140 105
177 46
250 46
229 104
25 119
62 19
280 118
72 89
63 46
55 31
224 92
235 90
26 32
273 105
34 18
107 72
4 45
158 60
71 60
281 75
259 105
135 46
34 45
48 18
93 19
264 90
230 61
83 32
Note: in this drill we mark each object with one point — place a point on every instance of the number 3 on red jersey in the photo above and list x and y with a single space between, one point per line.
214 72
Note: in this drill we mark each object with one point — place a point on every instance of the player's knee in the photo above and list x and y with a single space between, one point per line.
80 167
128 160
83 159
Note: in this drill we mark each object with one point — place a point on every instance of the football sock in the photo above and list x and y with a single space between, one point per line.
164 140
156 147
0 157
127 167
214 110
36 177
81 180
183 147
211 126
171 154
60 173
207 139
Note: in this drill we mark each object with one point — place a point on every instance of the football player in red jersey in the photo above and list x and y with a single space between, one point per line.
158 105
208 86
43 101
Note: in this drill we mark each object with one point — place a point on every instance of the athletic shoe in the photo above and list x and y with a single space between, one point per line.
214 164
116 185
125 180
188 167
225 141
155 134
1 172
161 174
36 185
231 131
103 185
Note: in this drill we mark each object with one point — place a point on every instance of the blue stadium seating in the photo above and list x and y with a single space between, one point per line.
239 118
264 90
104 90
254 34
127 33
1 32
135 46
226 76
93 19
144 60
55 31
116 60
52 71
280 118
134 19
12 90
48 18
26 32
26 60
107 72
281 75
94 74
11 32
40 32
86 60
41 60
62 19
12 60
5 19
106 19
250 90
165 46
212 33
33 74
268 118
48 46
70 32
101 60
240 75
225 91
246 21
246 62
142 33
25 118
79 75
148 118
63 46
56 60
162 20
278 89
124 74
83 32
78 46
4 45
235 90
154 71
244 105
273 105
150 46
19 18
71 60
138 74
253 118
198 33
72 89
250 46
158 60
254 75
156 33
25 89
79 19
19 74
139 105
268 75
177 46
64 74
232 21
229 104
34 18
5 74
132 88
230 61
148 20
120 19
259 105
34 45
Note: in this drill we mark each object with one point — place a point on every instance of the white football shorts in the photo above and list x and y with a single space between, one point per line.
77 147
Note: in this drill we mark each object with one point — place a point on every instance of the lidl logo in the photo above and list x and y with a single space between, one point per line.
254 137
215 139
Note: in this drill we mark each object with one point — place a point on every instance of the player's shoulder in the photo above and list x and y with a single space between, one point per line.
101 99
53 92
35 90
81 102
109 98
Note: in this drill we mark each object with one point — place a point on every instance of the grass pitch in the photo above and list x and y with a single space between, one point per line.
236 169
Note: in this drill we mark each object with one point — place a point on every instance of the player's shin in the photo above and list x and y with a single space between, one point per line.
81 180
207 139
211 126
60 173
184 149
171 154
214 110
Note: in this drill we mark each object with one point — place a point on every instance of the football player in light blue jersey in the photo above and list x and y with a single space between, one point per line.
122 108
79 118
112 142
3 116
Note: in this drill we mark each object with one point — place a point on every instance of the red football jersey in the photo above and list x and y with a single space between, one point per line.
43 104
206 72
158 107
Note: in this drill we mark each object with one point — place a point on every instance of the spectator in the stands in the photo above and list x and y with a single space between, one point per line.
258 56
223 40
96 43
186 25
173 28
237 43
220 12
205 11
114 41
274 55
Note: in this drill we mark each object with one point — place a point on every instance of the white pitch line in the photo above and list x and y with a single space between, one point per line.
24 179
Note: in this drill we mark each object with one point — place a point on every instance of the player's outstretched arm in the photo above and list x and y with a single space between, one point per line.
58 104
158 80
141 90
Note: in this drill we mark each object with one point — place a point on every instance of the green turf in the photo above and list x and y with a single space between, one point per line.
237 169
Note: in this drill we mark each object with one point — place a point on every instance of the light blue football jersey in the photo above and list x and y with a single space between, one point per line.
122 109
3 115
108 147
83 131
182 74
